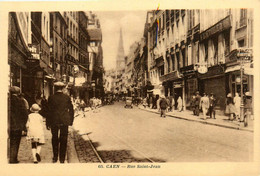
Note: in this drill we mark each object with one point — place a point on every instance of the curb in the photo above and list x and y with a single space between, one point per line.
72 155
204 122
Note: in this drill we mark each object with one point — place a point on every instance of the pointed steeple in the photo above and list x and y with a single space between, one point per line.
120 59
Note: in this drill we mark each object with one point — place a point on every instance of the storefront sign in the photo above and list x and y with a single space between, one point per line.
171 76
219 27
244 53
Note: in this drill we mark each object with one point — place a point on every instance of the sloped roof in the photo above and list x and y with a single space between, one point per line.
95 34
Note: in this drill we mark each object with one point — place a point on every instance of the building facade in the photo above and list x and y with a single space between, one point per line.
198 50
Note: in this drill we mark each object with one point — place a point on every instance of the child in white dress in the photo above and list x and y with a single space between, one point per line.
35 133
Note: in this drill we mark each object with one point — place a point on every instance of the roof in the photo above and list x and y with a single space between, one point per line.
95 34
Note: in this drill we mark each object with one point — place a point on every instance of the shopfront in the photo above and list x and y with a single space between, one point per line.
214 81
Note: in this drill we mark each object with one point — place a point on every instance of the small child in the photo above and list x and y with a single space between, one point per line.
35 133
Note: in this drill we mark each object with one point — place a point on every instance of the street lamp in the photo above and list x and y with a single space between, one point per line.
244 55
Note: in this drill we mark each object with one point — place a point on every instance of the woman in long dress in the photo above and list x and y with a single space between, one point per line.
237 101
179 106
230 107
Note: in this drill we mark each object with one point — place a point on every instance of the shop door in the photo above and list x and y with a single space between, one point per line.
177 94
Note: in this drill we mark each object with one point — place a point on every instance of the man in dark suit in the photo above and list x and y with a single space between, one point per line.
60 116
197 103
18 116
212 104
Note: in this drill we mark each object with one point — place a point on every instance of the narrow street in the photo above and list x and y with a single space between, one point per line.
121 134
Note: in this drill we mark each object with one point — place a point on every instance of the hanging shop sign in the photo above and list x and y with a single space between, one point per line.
201 67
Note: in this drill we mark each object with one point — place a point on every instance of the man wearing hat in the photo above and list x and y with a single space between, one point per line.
17 119
60 116
197 103
212 104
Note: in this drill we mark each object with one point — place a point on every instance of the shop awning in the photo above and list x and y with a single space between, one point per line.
247 69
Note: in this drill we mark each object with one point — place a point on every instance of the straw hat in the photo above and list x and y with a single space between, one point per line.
35 108
15 89
229 95
248 94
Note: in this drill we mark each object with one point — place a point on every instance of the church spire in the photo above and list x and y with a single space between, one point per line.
120 59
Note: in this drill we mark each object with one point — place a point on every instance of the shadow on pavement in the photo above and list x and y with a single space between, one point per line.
87 155
122 156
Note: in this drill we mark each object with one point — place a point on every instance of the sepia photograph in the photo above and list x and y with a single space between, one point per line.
131 89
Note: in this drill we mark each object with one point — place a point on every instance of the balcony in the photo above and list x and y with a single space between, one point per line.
170 76
187 69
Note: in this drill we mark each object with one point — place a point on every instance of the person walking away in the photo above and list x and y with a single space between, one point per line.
179 106
35 132
168 102
17 120
204 104
230 107
26 104
145 102
158 103
248 105
192 104
173 104
163 106
237 102
61 115
197 103
151 102
212 104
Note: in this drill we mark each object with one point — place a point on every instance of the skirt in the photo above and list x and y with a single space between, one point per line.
230 109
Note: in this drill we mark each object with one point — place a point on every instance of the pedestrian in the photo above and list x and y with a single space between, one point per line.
61 115
197 103
163 106
230 107
26 104
35 132
145 102
38 99
237 102
168 102
212 104
204 105
158 103
151 101
18 118
172 104
179 102
154 102
248 106
192 104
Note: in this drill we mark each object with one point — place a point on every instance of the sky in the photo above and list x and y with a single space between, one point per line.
132 24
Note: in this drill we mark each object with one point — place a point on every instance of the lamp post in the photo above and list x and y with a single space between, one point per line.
241 85
244 56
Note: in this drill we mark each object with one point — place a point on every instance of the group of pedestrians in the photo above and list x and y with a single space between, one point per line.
59 114
205 103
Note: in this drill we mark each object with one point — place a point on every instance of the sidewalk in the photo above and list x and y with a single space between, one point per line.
25 152
221 121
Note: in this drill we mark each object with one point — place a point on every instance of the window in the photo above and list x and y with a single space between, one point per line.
173 62
227 43
161 70
243 14
241 43
183 57
206 51
178 60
